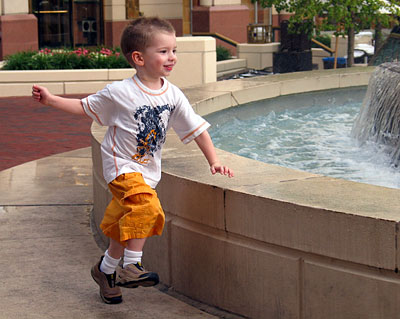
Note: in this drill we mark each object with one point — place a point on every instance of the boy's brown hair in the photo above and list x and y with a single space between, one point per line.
138 33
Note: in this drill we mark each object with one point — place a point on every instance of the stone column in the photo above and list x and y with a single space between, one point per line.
115 16
171 10
114 21
227 17
19 30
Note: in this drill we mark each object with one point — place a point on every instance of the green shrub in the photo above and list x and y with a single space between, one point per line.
19 61
324 39
46 59
223 53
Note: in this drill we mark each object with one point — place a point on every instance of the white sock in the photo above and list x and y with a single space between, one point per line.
132 257
109 264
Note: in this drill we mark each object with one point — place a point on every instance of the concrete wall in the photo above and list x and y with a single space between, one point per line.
271 242
14 7
232 66
209 3
196 65
172 10
18 32
196 61
18 28
19 83
228 20
114 21
167 9
317 57
258 56
114 10
341 44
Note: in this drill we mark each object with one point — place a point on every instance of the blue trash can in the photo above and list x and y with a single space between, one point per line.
329 62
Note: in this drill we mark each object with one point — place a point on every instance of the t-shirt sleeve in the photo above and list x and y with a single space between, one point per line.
101 107
185 122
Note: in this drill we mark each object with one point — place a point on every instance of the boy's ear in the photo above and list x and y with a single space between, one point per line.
137 58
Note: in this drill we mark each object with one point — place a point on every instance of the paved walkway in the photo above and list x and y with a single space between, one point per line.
29 131
46 246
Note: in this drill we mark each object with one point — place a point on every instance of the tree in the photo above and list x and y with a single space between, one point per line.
344 17
348 17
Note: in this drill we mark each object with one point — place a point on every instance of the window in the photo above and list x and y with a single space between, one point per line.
69 23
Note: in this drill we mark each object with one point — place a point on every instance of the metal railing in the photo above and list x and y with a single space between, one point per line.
217 36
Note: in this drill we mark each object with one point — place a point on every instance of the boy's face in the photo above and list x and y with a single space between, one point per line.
160 56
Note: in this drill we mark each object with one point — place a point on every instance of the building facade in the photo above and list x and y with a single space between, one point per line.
33 24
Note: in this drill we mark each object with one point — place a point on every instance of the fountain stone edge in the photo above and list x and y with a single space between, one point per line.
285 222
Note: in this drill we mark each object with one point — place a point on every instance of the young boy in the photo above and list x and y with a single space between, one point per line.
138 112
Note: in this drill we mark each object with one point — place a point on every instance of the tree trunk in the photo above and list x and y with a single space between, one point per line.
350 47
378 36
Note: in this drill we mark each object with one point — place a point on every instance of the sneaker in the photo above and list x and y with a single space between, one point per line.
109 292
134 275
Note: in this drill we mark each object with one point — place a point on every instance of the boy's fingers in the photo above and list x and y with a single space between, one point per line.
223 170
228 172
36 94
36 88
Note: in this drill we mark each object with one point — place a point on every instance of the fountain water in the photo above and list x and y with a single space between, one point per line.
379 117
309 132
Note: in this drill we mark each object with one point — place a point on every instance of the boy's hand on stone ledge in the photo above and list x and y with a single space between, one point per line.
223 170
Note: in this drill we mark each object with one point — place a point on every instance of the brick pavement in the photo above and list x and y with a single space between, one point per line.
29 131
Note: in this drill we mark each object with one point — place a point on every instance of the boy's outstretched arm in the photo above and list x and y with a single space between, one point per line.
206 145
42 95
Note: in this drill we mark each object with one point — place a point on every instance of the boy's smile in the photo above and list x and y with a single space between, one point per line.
159 58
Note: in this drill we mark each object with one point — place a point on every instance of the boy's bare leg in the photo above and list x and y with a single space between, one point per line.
136 244
115 249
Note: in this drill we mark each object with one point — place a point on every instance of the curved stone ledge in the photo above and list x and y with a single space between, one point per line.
272 242
195 53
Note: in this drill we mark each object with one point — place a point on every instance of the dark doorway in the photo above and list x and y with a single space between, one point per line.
69 23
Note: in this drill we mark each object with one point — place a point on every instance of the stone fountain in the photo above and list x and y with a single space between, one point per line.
379 117
272 242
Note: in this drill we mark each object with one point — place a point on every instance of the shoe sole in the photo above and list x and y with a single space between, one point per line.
149 281
110 301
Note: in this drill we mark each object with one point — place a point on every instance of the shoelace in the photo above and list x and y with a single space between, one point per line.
139 266
111 280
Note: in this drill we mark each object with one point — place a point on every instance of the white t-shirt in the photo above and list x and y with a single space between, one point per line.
138 119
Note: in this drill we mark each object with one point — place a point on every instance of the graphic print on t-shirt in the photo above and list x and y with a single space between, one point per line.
152 131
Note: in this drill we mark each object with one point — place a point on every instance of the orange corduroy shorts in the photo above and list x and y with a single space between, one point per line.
134 211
